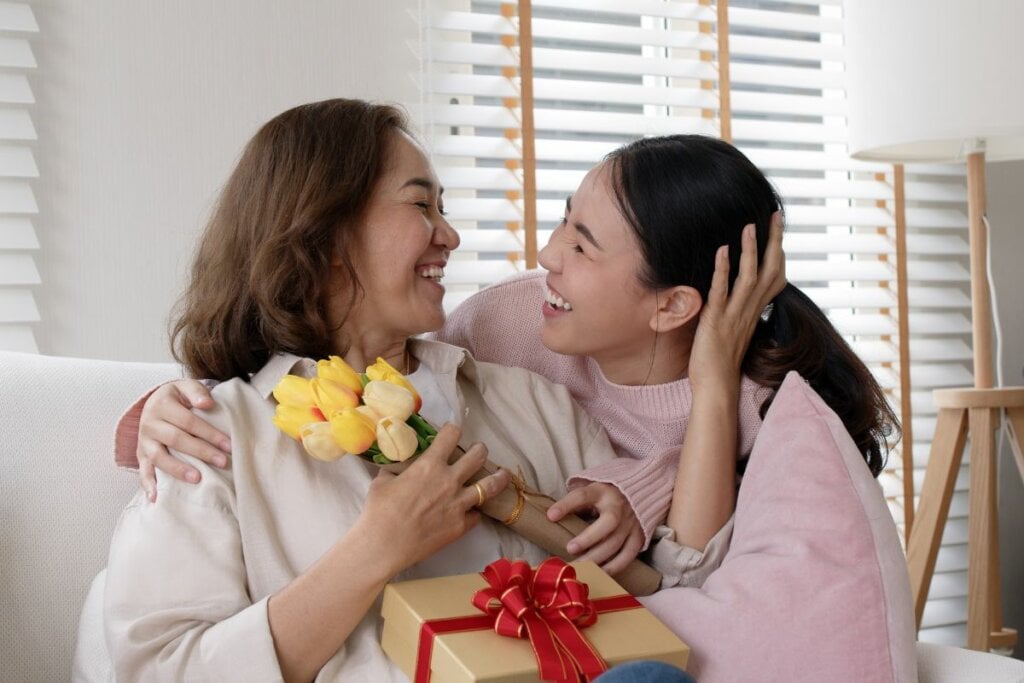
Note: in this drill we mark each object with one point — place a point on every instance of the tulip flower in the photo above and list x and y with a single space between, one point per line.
294 390
318 440
353 430
395 439
389 400
332 397
382 371
291 418
337 370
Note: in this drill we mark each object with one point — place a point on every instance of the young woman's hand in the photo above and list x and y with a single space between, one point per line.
414 514
614 538
167 421
728 319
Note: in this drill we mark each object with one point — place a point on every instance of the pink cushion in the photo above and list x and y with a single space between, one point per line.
815 585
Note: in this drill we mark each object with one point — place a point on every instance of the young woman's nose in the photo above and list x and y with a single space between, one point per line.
549 258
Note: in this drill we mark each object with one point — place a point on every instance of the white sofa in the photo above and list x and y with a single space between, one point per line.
60 496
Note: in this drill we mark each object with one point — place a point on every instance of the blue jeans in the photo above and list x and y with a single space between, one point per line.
645 671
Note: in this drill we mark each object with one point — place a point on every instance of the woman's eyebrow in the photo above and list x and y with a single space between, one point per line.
425 183
580 228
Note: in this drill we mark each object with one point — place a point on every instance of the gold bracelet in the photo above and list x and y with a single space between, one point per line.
517 510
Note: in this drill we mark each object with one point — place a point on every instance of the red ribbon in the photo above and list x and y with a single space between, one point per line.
547 605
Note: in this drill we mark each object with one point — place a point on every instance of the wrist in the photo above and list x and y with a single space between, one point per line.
384 558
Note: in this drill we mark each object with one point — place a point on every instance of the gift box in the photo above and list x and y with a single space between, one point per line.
571 622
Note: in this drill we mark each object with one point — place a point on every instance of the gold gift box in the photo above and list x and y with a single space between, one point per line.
619 637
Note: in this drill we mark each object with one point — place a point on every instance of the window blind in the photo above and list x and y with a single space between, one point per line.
18 273
606 72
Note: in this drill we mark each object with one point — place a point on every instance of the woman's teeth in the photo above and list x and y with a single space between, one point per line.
434 273
556 301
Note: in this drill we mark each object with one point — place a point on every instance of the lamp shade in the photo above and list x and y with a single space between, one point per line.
928 78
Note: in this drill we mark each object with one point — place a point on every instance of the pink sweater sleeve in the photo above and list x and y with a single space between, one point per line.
646 483
126 434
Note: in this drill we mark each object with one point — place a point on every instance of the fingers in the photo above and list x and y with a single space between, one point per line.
773 269
479 492
444 443
195 393
626 554
169 421
147 476
746 279
176 431
718 295
600 539
575 501
162 460
470 463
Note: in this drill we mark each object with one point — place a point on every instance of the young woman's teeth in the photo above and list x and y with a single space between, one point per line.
434 273
557 302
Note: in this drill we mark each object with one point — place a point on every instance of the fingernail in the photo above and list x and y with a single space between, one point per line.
225 446
219 461
192 476
749 231
151 494
572 547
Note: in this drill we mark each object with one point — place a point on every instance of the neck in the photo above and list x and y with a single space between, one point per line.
659 359
365 349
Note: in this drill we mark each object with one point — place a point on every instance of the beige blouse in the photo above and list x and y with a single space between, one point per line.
189 576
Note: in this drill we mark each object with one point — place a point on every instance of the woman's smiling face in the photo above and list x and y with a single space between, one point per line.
402 248
596 304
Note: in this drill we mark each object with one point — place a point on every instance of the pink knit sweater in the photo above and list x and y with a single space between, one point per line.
646 424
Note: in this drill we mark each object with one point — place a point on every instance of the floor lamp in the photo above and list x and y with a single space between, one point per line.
943 81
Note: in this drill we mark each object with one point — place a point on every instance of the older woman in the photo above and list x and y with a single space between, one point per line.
329 238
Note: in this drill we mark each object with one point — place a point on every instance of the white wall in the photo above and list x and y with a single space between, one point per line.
142 108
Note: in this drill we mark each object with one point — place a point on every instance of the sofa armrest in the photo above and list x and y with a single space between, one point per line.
60 496
945 664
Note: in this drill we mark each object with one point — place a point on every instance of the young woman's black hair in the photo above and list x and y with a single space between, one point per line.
685 196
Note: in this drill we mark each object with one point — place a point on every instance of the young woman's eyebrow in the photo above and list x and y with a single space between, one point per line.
580 228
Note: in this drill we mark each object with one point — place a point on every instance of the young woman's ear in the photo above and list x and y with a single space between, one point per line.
676 307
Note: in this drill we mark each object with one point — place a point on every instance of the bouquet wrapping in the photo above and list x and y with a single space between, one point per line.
374 416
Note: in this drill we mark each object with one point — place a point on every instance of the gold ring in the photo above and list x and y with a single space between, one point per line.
480 495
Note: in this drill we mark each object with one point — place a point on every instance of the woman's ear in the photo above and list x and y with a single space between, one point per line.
676 307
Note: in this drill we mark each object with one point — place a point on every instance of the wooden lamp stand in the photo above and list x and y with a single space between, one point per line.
976 412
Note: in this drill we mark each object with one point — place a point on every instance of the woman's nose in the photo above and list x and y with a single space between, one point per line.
446 236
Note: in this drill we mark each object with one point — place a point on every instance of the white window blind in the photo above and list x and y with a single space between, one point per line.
940 327
606 72
18 273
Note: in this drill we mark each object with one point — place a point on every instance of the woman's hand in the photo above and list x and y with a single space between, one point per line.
167 421
426 507
728 319
614 538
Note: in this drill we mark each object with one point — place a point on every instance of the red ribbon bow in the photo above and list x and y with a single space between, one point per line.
547 605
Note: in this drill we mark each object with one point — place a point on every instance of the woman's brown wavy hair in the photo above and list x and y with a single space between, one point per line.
261 277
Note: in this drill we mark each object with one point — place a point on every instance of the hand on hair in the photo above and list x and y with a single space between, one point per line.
614 538
167 421
728 319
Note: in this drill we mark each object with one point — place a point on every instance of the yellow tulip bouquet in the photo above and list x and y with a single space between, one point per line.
374 415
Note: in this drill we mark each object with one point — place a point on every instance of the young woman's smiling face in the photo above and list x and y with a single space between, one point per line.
596 304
